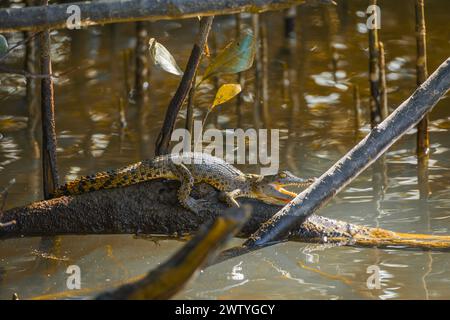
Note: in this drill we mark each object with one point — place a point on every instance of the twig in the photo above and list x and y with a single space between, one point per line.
383 83
31 75
162 143
257 83
265 72
423 135
32 90
141 59
190 105
357 107
4 195
122 114
7 224
374 74
289 23
240 75
423 142
126 62
190 110
421 62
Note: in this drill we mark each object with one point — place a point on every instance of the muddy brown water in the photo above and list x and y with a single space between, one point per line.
320 129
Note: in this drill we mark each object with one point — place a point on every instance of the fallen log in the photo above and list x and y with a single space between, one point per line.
103 12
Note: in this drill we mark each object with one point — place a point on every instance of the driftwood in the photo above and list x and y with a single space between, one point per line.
113 11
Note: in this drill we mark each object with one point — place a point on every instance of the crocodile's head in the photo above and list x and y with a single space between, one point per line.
270 188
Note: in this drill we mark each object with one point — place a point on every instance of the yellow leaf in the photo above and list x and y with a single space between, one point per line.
225 93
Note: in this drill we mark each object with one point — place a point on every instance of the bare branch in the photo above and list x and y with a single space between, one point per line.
24 73
162 143
404 118
113 11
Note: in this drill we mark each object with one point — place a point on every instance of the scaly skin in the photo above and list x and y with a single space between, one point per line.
191 168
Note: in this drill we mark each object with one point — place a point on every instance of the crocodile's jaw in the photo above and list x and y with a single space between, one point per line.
273 194
287 195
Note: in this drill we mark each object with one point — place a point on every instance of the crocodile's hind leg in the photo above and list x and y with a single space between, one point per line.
230 197
184 193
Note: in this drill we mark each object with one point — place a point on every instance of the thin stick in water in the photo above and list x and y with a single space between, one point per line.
374 74
423 137
163 141
141 58
383 83
50 174
265 72
240 75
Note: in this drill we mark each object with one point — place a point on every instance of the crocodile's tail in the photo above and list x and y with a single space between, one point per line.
103 180
325 230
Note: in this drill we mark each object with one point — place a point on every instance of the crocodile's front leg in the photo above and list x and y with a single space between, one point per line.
230 197
184 193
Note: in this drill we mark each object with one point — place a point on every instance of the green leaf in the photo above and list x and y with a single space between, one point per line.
226 92
162 58
236 57
3 45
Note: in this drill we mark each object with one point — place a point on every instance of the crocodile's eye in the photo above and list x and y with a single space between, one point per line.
283 175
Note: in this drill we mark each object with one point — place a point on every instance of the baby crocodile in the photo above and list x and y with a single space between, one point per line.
190 168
